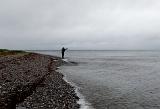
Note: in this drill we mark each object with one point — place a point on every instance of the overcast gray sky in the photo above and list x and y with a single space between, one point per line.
80 24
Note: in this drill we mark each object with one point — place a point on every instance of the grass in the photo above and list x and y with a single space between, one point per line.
6 52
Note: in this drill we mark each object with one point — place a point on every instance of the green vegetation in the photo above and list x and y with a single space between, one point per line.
5 52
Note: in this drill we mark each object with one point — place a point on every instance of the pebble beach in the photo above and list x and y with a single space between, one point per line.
31 81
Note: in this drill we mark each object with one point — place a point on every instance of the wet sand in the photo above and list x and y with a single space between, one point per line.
30 81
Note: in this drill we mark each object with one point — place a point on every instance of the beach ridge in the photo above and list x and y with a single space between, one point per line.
31 81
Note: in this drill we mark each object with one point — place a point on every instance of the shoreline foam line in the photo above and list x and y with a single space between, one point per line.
82 101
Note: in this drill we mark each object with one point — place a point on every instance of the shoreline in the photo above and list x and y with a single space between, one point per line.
84 104
82 101
31 81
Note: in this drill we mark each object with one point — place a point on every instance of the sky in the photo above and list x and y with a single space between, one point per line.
80 24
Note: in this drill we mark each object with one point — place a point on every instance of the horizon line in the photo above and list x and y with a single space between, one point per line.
87 50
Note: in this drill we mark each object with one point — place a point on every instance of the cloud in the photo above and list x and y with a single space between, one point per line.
84 24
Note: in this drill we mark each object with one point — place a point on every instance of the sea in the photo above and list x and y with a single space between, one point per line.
113 79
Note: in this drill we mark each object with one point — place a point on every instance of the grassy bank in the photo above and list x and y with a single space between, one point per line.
6 52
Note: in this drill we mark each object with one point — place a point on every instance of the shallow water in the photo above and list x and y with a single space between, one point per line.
116 79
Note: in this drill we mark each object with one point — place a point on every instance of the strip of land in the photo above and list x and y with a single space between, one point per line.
30 80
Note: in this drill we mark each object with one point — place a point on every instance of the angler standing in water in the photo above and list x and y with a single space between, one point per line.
63 50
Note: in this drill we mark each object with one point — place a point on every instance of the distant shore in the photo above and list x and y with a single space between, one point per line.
30 81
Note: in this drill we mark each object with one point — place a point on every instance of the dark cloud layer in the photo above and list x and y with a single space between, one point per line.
80 24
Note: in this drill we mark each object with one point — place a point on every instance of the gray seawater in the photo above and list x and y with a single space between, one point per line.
115 79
